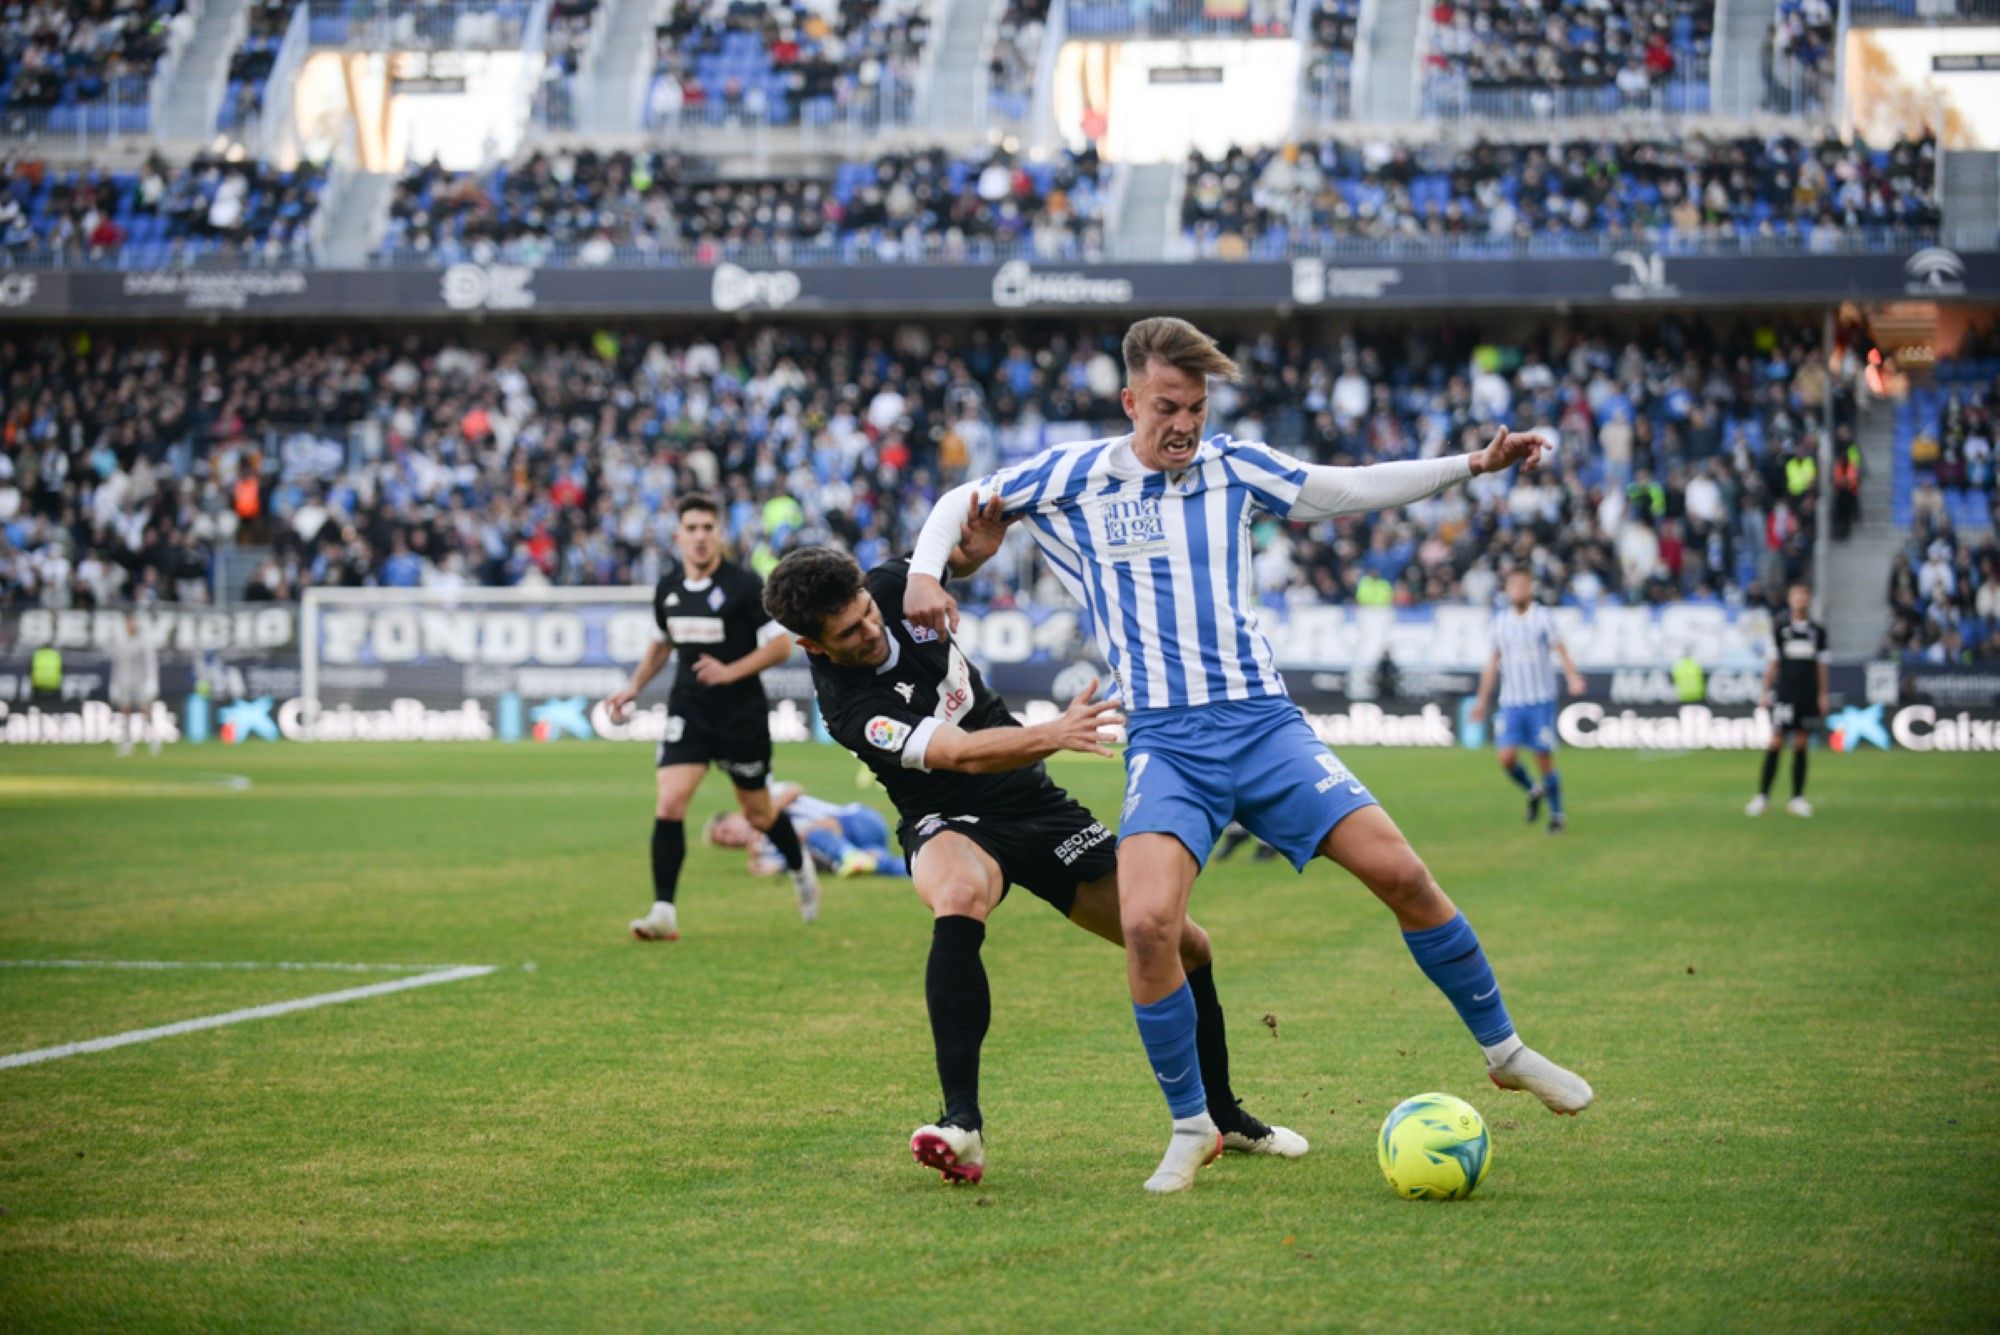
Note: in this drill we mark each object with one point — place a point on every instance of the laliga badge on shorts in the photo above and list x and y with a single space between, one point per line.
887 733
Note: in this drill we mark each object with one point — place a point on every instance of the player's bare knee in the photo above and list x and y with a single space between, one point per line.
671 809
956 897
1151 931
1402 881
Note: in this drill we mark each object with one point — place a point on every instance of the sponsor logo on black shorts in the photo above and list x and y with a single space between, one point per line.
1074 847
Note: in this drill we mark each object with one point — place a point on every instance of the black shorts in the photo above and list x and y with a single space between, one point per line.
1048 846
1788 716
740 748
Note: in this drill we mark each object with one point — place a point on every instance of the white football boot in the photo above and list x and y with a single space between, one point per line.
1251 1136
1758 805
957 1153
806 882
658 925
1191 1149
1798 806
1564 1092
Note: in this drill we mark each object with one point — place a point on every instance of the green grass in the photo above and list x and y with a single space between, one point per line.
1793 1028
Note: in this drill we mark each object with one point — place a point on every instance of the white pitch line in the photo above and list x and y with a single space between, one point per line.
288 965
451 975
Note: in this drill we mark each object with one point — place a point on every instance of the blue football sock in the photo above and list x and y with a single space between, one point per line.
1519 774
889 864
1451 958
827 847
1167 1028
1553 782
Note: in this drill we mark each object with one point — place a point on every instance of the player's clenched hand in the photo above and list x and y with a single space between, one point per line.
618 703
925 603
711 671
1508 448
1082 726
1576 683
1478 711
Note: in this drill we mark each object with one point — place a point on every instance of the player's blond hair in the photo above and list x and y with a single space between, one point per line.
1178 344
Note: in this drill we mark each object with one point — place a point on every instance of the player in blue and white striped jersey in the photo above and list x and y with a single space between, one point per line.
1526 644
1151 532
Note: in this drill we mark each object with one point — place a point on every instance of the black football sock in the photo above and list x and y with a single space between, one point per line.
1770 772
961 1008
669 850
1799 773
1211 1045
786 838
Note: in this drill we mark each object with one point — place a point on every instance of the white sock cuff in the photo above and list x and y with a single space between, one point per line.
1499 1052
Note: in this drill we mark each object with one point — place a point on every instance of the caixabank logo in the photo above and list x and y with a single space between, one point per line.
1851 728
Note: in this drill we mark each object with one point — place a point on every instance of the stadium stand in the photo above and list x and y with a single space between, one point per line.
1944 597
586 208
1016 55
1690 192
250 66
158 216
83 64
786 62
1333 29
1545 57
412 458
1799 57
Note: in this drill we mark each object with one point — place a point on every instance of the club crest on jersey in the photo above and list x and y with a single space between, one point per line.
673 600
921 634
887 733
1134 529
715 600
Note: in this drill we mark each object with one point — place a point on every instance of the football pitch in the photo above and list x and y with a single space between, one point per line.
1793 1028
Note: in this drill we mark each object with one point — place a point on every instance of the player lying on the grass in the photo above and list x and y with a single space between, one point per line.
979 814
1151 531
713 611
846 838
1797 667
1524 639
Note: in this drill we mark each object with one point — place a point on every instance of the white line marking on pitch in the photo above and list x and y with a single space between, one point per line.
451 975
223 964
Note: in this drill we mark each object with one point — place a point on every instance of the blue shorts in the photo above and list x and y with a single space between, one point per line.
1189 772
864 827
1532 726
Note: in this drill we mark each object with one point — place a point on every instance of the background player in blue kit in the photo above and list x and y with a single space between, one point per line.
1151 532
1525 643
845 838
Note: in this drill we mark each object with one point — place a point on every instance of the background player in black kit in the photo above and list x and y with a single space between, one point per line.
713 612
979 813
1797 667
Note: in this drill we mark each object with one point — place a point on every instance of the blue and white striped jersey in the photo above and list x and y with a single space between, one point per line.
1161 560
1526 641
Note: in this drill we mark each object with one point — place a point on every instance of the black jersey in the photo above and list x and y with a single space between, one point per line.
887 715
721 616
1800 647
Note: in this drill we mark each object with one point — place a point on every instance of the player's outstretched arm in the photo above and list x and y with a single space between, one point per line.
618 702
1327 491
985 527
1082 727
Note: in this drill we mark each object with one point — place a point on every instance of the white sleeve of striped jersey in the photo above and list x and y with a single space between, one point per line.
941 530
1330 491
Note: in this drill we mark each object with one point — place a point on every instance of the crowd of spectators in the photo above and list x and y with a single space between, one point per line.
69 59
359 457
1014 58
587 207
1334 28
1944 597
571 23
1799 57
158 216
250 66
1687 191
1567 57
787 61
1177 18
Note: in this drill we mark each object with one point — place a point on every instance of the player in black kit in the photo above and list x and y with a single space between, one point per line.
713 612
1797 667
979 813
